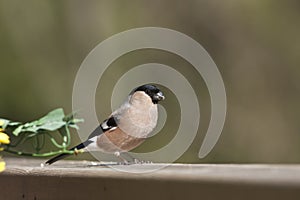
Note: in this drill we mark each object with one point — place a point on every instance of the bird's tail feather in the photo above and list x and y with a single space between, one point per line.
98 131
56 158
64 155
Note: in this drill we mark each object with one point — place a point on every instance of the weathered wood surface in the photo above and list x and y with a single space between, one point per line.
26 179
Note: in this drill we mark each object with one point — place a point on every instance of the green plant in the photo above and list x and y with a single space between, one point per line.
38 132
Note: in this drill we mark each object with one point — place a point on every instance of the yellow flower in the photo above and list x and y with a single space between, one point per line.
2 165
4 139
1 124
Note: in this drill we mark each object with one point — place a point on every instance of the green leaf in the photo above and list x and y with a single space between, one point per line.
51 122
33 129
74 126
38 129
5 123
52 125
14 123
75 121
18 130
55 115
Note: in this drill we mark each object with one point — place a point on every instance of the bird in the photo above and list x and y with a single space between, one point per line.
126 128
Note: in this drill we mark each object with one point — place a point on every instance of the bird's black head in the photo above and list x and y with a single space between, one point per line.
154 92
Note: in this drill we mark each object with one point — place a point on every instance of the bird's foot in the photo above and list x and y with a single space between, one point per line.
123 160
124 163
137 161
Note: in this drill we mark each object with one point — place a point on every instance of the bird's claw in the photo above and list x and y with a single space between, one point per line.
137 161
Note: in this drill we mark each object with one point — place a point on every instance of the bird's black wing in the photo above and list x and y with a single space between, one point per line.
106 125
109 124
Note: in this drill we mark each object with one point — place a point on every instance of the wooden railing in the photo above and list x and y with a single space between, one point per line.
26 179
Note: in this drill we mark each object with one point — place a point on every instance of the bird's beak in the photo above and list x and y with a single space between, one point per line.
159 96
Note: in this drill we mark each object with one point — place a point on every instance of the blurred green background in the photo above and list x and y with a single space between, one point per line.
254 43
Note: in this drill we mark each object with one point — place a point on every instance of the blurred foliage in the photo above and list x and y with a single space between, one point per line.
38 132
254 43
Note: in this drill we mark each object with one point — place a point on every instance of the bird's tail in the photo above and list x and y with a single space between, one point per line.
64 155
98 131
56 158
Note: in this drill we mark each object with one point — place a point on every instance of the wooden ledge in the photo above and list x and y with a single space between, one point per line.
26 179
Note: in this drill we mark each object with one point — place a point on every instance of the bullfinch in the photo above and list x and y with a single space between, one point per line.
127 127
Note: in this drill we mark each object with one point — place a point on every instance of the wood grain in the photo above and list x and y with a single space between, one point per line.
25 179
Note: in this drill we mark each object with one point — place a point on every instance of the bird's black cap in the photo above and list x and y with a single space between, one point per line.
153 91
